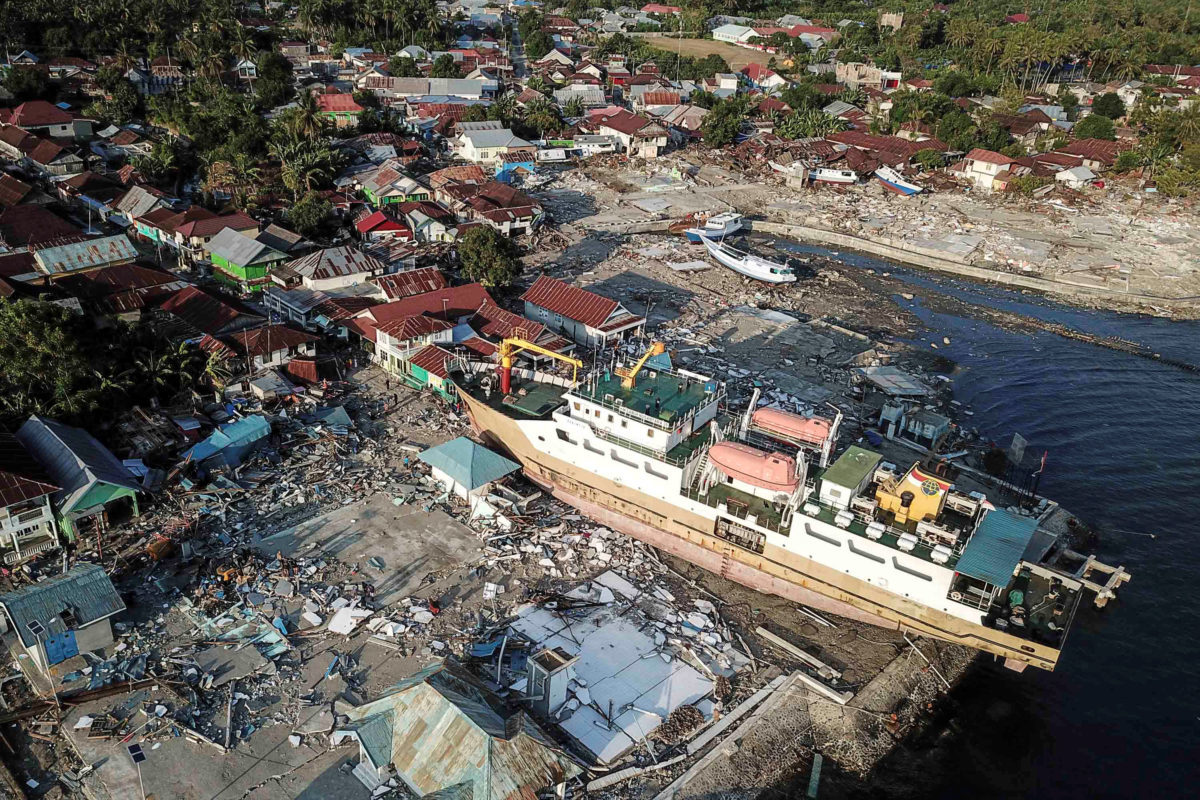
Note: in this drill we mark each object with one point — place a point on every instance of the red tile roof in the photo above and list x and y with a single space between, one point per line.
625 122
267 339
492 320
12 191
479 346
1101 150
21 476
378 221
337 103
202 311
451 302
660 98
571 302
467 174
988 156
34 114
211 226
30 225
13 264
432 359
412 282
413 327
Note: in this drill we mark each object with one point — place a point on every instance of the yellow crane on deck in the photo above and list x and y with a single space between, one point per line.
629 375
511 346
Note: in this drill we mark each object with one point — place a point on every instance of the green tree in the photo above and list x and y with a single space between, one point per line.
488 257
444 66
274 85
538 44
310 215
721 124
929 159
29 84
1109 105
573 108
403 67
1095 126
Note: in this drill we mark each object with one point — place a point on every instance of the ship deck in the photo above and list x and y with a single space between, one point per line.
528 399
659 394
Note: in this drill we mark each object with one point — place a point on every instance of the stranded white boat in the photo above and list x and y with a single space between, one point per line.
892 179
717 226
829 175
749 264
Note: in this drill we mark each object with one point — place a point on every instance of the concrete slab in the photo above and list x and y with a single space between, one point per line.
411 542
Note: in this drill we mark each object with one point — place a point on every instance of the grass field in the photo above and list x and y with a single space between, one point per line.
737 57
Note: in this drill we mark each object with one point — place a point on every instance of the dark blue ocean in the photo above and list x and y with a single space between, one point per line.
1120 717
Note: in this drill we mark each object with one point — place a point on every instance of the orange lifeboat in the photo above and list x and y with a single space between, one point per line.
773 471
794 427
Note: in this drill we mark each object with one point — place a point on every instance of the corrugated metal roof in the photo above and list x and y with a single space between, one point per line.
571 302
21 476
467 463
205 313
412 282
238 248
84 590
445 735
87 254
75 460
432 359
334 262
996 547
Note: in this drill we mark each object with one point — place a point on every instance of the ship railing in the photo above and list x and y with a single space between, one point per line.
658 455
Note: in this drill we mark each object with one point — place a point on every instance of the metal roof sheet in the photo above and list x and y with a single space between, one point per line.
569 301
852 467
84 590
21 476
996 547
75 460
335 262
238 248
412 282
444 733
467 463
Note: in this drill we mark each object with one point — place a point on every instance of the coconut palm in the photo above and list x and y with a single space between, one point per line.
242 48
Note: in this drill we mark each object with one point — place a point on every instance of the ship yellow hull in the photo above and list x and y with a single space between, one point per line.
693 538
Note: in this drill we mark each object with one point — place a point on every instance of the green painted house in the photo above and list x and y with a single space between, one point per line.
242 262
388 185
96 487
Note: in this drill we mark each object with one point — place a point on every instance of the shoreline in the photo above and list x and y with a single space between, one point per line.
912 256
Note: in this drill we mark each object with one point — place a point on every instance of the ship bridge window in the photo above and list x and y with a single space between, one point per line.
563 435
576 406
910 571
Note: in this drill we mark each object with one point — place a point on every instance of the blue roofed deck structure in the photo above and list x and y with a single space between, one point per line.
996 547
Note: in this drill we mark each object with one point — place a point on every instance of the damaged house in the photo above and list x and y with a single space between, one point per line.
442 732
95 485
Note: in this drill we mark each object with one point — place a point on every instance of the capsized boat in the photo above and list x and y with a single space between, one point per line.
748 264
891 179
717 226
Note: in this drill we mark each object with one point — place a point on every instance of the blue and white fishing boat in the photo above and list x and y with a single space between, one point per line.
892 179
717 226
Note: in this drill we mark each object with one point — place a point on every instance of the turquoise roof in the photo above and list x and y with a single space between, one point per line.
467 463
996 547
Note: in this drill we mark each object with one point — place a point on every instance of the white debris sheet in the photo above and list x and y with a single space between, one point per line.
628 657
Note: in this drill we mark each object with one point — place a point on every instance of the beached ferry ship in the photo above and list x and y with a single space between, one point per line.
761 499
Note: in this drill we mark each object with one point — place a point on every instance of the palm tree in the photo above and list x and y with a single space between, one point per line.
542 114
961 33
242 48
307 120
1188 124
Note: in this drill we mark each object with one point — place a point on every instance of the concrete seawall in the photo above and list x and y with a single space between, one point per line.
916 256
